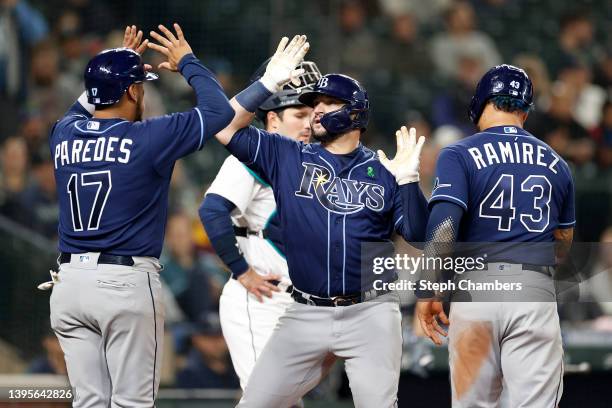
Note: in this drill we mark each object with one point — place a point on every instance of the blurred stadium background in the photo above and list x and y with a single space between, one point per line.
419 60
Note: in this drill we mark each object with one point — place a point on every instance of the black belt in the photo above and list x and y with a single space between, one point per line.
547 270
307 299
106 259
245 232
344 300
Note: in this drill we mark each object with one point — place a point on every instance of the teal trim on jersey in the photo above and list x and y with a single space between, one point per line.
270 218
270 242
276 249
256 177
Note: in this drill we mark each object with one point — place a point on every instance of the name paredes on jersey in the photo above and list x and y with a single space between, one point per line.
513 152
107 149
339 195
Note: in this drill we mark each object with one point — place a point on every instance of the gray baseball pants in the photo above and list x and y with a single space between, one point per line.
513 344
308 339
109 320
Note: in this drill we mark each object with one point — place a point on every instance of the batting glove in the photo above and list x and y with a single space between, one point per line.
405 164
282 66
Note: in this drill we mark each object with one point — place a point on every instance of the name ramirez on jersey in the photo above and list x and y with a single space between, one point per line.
517 151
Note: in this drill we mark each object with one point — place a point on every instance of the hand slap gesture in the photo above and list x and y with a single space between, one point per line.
132 39
282 66
173 47
405 164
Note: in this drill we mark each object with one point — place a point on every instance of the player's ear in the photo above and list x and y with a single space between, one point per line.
272 119
132 93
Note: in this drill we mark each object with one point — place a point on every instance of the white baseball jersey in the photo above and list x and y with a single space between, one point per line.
246 323
255 206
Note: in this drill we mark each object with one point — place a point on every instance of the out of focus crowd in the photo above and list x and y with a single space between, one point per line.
419 60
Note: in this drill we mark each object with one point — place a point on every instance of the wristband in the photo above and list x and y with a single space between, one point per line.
253 96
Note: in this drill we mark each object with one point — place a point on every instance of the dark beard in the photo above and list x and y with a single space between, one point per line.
324 137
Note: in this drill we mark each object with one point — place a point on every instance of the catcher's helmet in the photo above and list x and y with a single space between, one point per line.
353 115
501 80
288 96
109 74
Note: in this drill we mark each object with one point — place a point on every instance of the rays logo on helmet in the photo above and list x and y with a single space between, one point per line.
339 195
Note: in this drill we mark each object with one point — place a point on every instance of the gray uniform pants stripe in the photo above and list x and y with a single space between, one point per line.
109 321
308 339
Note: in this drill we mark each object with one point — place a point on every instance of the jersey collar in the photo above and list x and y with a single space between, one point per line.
361 153
507 131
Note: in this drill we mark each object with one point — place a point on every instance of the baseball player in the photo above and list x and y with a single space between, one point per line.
113 171
239 208
504 186
331 197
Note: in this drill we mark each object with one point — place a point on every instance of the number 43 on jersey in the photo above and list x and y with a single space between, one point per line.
501 203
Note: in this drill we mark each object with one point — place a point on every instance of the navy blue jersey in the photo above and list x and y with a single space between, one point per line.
327 207
512 186
113 175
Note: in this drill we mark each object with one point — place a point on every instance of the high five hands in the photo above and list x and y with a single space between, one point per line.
405 164
282 66
173 47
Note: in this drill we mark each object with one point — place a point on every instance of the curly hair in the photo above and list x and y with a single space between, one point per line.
509 104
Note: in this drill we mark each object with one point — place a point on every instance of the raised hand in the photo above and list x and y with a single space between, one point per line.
405 164
173 47
282 66
132 39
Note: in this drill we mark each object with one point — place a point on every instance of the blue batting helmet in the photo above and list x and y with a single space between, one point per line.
109 74
353 115
501 80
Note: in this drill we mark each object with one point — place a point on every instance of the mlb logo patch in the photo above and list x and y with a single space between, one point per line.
84 258
510 129
91 125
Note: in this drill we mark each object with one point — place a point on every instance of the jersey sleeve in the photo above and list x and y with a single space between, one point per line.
235 183
410 212
451 179
174 136
567 216
262 151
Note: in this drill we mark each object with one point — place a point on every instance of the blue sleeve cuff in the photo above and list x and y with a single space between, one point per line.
186 60
238 268
444 197
253 96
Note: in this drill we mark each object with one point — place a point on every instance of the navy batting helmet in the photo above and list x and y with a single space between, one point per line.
353 115
109 74
288 96
501 80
